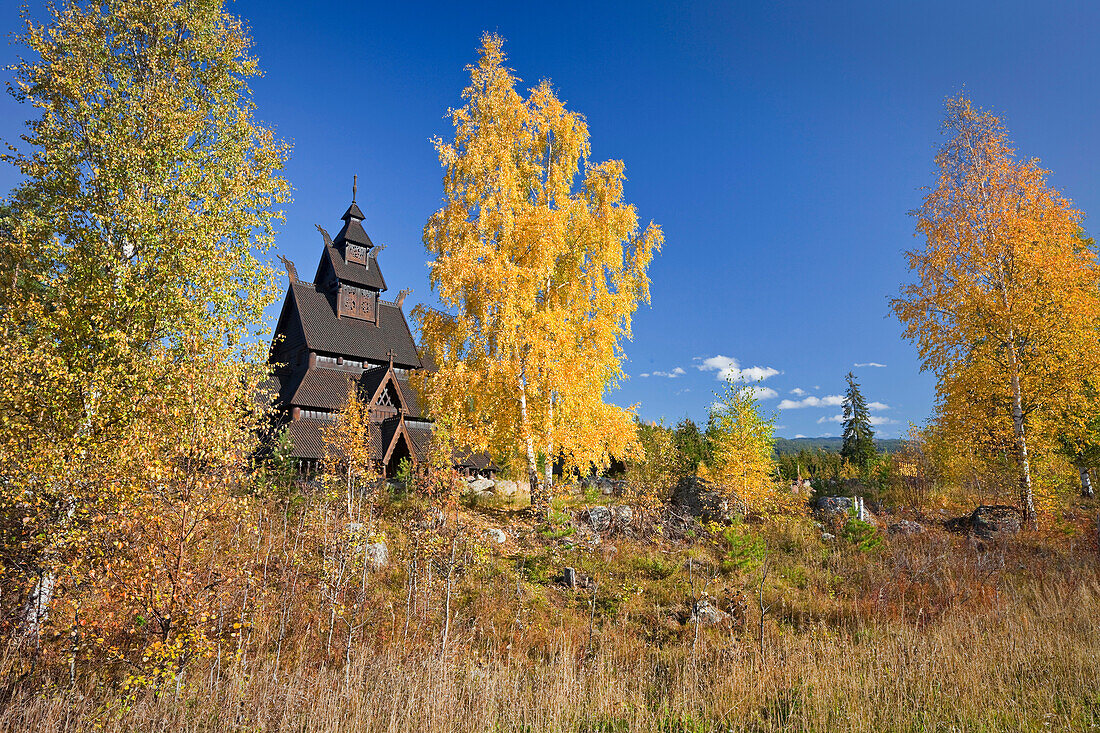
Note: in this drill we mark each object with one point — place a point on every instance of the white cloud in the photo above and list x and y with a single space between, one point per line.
870 364
678 371
878 406
800 435
875 420
798 392
832 400
761 393
729 369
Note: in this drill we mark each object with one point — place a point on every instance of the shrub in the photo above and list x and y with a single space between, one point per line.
744 549
861 534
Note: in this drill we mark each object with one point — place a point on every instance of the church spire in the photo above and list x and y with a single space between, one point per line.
353 212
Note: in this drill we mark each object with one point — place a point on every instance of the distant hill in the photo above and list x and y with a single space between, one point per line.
794 445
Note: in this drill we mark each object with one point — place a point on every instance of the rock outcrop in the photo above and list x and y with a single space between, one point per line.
707 613
832 508
904 528
988 522
700 498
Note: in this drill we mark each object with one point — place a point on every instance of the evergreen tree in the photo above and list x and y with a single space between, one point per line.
691 445
859 438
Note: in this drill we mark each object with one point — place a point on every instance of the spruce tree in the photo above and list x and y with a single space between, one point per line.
859 438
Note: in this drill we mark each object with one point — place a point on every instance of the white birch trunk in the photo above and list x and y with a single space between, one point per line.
532 464
1027 497
549 471
1086 482
36 610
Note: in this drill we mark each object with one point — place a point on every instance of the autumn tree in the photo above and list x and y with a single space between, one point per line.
859 437
539 264
743 449
349 450
130 365
651 475
1004 305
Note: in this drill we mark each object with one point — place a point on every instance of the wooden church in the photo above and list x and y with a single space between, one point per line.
337 331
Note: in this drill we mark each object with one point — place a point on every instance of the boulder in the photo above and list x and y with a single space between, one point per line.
480 485
623 515
609 487
505 496
832 508
573 580
709 503
904 527
600 518
828 537
496 535
707 613
510 489
377 554
988 522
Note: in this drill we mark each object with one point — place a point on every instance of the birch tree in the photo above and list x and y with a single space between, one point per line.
130 362
1004 306
539 265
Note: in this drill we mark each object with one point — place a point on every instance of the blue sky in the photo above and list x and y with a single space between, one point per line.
779 145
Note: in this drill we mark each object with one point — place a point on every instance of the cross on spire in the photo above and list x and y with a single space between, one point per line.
354 186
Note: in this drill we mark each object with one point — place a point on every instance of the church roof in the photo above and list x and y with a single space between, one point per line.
353 212
351 337
367 277
326 389
305 435
408 394
309 443
353 231
421 436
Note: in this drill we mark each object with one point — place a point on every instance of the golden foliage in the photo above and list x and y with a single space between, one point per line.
349 450
1005 303
743 453
130 367
540 264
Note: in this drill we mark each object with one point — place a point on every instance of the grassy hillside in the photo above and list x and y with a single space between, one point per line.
864 632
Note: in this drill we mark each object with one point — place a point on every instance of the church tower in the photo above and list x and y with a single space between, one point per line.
337 331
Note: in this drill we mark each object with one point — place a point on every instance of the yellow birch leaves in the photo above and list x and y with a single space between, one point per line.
1005 304
539 264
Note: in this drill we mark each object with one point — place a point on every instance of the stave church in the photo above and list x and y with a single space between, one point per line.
338 330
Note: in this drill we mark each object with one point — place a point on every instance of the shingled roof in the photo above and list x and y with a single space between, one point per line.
411 400
326 389
309 442
306 436
325 333
369 276
421 435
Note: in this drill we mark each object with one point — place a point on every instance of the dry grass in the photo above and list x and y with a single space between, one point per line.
922 634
